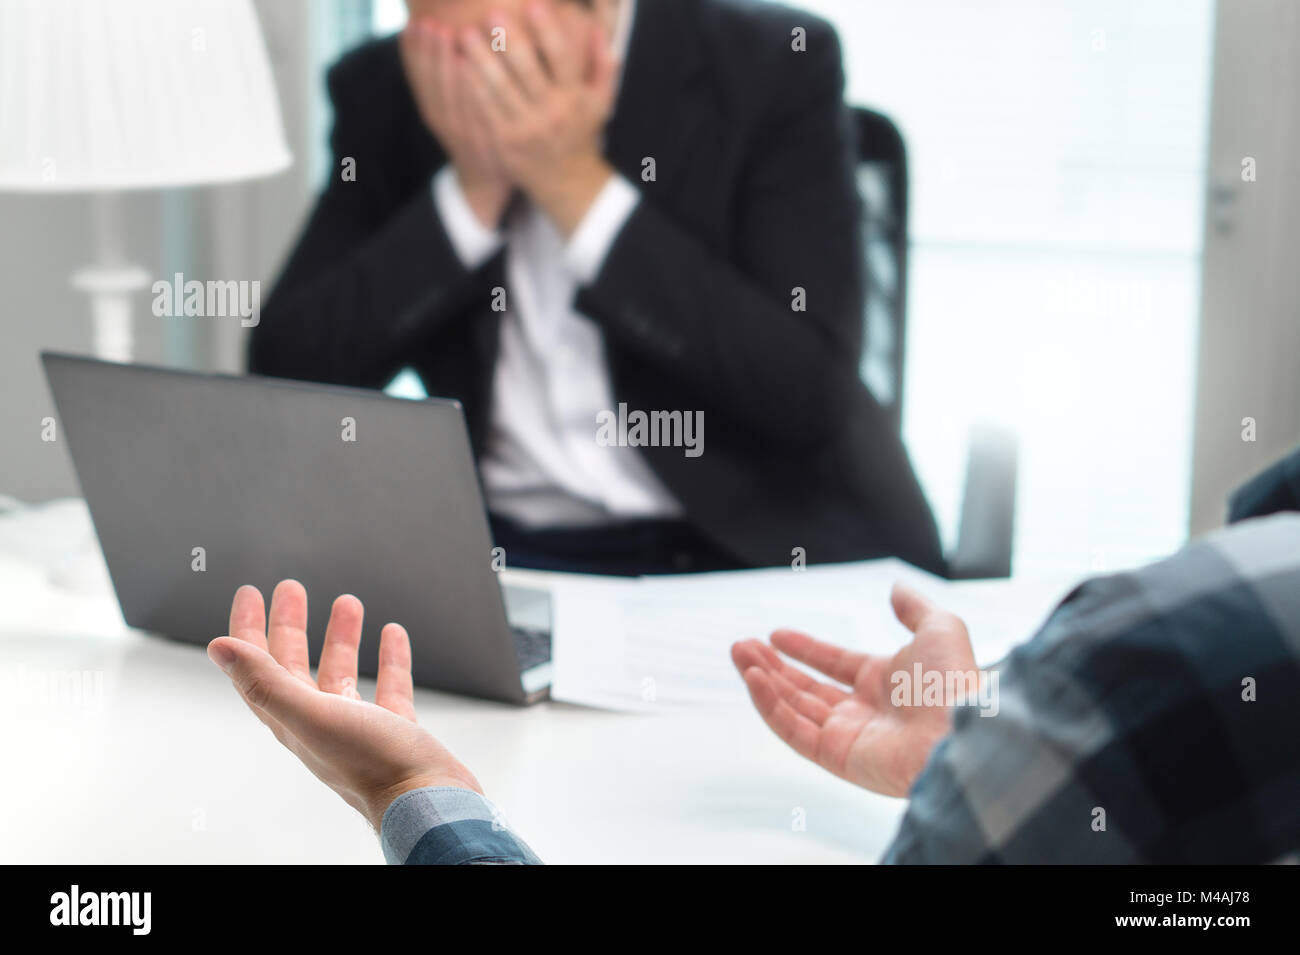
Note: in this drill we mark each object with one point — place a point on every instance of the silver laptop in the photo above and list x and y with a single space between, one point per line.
199 483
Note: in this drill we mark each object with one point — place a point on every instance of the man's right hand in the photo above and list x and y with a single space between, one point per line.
437 76
368 753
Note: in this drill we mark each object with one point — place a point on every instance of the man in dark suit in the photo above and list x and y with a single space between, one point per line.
571 214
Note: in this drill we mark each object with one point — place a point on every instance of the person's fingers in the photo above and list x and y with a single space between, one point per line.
442 66
798 731
468 107
393 689
248 624
756 653
909 606
801 701
502 91
416 44
248 616
836 662
563 60
604 65
522 60
278 731
912 608
488 119
744 656
270 688
428 32
286 633
423 64
337 672
802 696
410 39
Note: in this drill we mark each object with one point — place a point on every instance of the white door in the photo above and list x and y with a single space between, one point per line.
1249 359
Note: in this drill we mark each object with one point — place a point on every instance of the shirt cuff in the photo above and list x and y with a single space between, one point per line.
473 242
590 243
444 825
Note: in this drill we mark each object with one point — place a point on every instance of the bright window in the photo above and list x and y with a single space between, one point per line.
1057 157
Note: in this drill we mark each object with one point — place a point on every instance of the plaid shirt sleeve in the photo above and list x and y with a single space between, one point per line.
443 825
1152 719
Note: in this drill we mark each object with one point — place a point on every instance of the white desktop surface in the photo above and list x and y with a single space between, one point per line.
170 767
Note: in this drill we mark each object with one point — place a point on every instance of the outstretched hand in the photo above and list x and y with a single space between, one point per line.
851 726
369 753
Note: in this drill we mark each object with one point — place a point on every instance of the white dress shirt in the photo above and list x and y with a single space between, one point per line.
543 466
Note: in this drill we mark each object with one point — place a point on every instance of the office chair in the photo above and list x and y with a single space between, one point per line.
987 526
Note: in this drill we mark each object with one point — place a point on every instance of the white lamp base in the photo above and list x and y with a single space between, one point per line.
110 291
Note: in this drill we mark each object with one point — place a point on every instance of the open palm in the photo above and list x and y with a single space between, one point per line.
369 753
851 727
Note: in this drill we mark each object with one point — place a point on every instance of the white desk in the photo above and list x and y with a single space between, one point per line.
170 767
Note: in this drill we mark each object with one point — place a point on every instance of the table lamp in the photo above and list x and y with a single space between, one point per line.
103 96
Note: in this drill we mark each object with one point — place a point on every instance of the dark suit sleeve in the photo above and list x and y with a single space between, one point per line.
1275 489
726 326
371 277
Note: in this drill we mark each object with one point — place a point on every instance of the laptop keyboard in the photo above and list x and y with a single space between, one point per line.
533 646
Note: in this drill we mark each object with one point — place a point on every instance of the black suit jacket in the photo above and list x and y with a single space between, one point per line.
754 196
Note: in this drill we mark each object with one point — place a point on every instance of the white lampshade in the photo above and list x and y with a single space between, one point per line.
130 94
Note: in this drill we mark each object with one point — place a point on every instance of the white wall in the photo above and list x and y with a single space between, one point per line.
43 240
